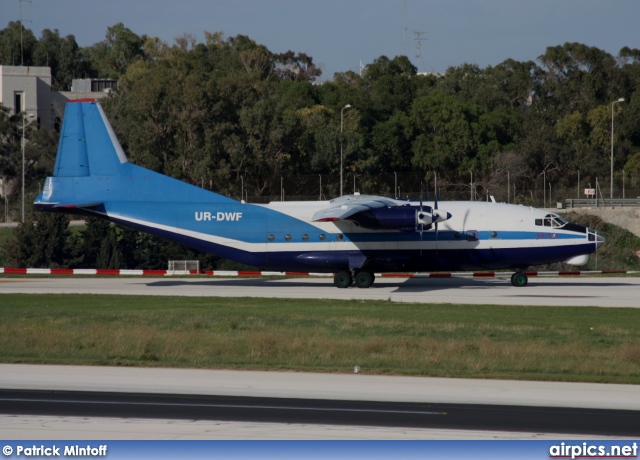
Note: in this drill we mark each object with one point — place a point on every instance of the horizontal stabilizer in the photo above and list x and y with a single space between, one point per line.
92 204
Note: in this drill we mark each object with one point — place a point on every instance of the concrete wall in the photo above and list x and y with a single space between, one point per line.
627 217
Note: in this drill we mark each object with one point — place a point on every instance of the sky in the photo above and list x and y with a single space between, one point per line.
341 35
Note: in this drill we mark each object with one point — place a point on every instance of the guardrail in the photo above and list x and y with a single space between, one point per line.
570 203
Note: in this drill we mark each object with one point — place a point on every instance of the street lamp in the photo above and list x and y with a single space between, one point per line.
611 185
544 189
341 125
23 142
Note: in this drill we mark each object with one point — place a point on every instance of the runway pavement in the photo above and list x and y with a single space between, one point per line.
565 291
432 394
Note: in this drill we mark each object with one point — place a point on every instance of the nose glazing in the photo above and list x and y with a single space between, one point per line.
595 237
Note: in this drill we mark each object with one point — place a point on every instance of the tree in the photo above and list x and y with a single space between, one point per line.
66 59
121 47
297 67
11 51
445 133
42 241
577 77
632 169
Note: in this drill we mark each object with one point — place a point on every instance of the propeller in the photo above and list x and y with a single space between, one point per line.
420 217
437 216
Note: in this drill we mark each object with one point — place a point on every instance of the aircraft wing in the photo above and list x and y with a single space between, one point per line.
347 206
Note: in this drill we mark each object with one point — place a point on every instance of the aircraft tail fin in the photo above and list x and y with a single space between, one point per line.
88 146
91 168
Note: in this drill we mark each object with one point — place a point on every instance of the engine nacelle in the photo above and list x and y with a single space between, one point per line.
401 218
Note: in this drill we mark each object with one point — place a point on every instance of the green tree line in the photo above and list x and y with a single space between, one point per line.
229 115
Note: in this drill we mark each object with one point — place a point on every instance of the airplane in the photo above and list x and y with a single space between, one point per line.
352 236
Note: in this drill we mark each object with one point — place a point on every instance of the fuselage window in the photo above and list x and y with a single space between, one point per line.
305 237
539 222
287 237
322 236
271 237
472 235
340 237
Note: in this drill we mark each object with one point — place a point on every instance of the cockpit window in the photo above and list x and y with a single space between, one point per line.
551 220
558 221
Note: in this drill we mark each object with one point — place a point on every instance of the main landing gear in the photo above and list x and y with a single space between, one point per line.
519 279
344 279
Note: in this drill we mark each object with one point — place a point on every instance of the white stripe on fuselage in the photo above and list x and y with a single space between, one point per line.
520 219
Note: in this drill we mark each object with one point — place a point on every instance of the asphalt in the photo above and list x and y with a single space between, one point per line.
541 291
50 399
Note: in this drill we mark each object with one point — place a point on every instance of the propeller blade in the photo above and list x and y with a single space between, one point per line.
436 216
420 215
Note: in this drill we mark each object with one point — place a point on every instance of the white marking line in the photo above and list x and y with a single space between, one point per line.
225 406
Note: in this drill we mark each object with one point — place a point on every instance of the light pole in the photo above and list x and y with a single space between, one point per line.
348 106
471 185
611 185
395 184
544 189
4 194
23 142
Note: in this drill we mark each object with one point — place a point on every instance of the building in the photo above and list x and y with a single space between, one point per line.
28 90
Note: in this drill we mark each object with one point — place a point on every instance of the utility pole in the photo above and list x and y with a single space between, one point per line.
404 36
21 27
419 41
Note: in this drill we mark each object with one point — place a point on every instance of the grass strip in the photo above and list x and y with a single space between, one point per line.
478 341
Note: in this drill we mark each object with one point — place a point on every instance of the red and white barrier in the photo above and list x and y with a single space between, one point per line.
249 273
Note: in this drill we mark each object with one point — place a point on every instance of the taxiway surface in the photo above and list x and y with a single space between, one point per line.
564 291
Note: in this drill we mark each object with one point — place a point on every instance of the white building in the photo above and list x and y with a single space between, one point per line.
28 89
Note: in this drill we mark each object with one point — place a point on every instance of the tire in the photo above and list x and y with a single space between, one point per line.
364 279
342 280
519 279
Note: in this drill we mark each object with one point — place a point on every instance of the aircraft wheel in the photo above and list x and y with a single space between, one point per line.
342 280
364 279
519 279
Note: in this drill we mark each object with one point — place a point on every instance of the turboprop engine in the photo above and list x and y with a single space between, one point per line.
402 218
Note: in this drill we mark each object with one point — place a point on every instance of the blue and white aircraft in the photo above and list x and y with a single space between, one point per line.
351 236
